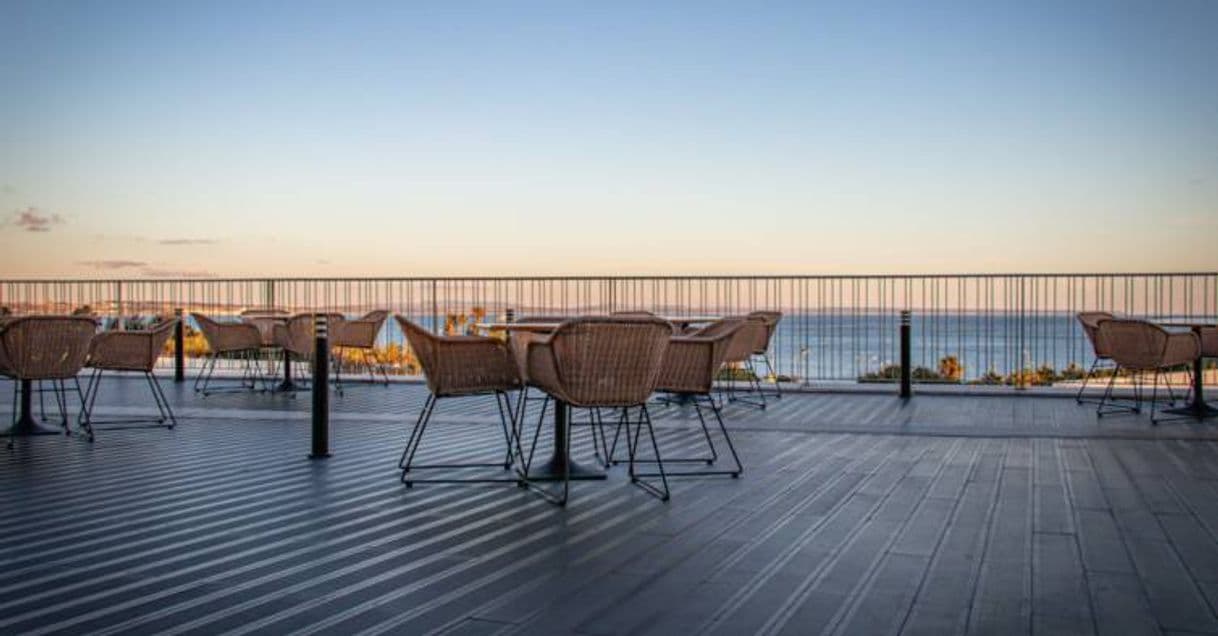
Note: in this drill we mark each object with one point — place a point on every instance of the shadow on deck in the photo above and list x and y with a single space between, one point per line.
856 514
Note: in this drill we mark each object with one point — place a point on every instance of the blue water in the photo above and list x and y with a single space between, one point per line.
845 346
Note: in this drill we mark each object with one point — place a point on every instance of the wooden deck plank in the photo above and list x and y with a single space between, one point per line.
855 514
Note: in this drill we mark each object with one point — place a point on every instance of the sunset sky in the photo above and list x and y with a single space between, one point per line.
411 139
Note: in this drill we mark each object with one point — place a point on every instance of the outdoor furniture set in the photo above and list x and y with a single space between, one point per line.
594 364
56 349
1138 348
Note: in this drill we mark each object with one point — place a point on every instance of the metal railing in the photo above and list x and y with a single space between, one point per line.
1016 329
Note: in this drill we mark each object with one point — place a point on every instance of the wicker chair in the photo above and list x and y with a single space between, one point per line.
1209 342
690 366
296 338
1090 322
460 366
265 319
1139 346
761 345
360 334
601 362
130 351
48 348
238 340
751 331
518 343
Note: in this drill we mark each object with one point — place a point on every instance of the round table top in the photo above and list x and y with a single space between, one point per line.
549 325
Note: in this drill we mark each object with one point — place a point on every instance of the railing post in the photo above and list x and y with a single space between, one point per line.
435 308
321 388
906 368
179 348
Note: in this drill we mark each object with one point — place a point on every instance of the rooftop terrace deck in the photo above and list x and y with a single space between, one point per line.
856 514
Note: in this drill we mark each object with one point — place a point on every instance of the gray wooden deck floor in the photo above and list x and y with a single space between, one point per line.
856 515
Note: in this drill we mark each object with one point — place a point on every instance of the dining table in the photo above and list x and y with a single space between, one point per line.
26 423
1196 407
553 469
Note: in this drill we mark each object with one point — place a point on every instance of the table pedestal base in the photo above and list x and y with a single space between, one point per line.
26 425
288 385
1199 411
1197 408
552 471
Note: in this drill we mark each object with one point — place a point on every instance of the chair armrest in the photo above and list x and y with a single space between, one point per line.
1209 342
358 333
122 350
518 343
236 337
466 364
1181 348
543 367
690 364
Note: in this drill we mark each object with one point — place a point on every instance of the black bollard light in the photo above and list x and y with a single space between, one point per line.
179 348
321 388
906 367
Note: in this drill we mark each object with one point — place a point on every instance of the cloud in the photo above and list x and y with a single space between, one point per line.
152 272
188 241
114 264
32 219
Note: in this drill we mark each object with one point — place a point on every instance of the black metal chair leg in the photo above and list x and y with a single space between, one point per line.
1106 400
507 437
622 419
1078 397
754 387
545 405
162 402
13 423
407 463
199 375
61 400
412 447
1154 394
544 492
705 433
522 399
415 430
728 438
734 472
662 493
600 429
88 421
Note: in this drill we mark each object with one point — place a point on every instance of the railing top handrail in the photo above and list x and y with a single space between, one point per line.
615 277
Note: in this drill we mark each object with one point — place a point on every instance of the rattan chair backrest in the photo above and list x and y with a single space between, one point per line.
47 347
771 319
609 360
1090 322
1133 344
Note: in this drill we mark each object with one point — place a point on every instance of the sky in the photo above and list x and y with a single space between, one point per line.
248 138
